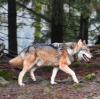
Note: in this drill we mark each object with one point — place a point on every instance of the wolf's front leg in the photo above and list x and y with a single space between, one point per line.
66 69
20 77
54 73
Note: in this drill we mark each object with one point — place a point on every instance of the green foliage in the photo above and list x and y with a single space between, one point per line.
37 25
37 37
3 2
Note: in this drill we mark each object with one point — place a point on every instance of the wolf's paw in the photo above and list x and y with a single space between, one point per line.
53 82
22 84
77 82
34 79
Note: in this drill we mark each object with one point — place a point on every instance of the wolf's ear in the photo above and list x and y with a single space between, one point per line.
80 42
84 42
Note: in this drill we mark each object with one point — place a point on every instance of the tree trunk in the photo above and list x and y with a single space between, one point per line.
57 21
12 35
84 22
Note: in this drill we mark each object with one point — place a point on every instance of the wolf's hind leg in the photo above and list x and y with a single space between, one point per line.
54 73
32 73
66 69
26 67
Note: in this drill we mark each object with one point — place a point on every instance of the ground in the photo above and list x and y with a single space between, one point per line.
88 88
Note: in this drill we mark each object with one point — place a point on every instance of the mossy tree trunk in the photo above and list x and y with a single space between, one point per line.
37 24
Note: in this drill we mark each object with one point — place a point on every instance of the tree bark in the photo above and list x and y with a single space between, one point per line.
84 23
12 35
57 21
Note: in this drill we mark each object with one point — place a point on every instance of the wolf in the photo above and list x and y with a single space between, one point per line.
57 55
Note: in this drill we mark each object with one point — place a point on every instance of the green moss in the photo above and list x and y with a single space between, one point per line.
90 76
87 65
7 74
76 63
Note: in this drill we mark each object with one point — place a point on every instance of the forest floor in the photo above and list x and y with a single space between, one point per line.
88 88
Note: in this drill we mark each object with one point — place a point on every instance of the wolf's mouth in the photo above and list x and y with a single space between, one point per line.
85 58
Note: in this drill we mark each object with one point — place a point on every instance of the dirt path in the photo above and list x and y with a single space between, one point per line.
65 89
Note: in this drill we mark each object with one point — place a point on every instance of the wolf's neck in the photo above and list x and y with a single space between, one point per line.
76 49
70 51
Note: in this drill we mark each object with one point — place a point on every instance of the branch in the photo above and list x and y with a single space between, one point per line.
4 25
25 38
97 28
3 7
3 13
21 16
17 37
4 33
37 14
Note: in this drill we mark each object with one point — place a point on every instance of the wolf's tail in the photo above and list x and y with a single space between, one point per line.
16 61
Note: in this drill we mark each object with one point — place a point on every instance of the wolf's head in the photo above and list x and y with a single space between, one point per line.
85 55
83 51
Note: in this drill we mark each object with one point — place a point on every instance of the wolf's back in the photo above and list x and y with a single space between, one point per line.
16 61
